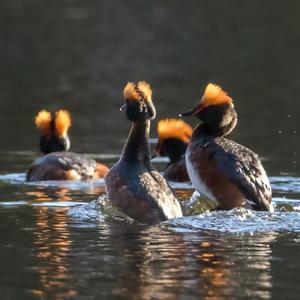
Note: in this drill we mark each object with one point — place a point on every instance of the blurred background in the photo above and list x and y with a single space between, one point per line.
79 55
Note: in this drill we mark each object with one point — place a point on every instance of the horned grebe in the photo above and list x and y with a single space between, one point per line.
219 168
132 184
58 163
173 138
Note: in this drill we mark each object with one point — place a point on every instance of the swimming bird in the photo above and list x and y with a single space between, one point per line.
132 184
219 168
57 163
173 138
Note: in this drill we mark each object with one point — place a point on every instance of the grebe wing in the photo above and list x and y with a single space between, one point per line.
83 165
243 167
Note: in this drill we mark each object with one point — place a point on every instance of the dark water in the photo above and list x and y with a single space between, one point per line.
57 240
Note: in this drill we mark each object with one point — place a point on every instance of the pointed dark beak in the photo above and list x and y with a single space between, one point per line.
154 155
197 108
187 113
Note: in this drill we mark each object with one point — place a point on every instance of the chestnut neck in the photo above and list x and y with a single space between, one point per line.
136 148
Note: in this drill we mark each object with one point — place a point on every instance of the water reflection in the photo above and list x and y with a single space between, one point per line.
155 263
214 272
228 267
52 245
39 195
61 194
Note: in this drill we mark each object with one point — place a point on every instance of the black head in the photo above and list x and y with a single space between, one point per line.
222 117
54 131
138 101
171 147
215 110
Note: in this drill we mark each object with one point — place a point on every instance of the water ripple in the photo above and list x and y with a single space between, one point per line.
20 178
285 184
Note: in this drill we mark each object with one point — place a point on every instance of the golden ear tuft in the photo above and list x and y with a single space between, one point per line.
141 90
62 122
174 128
42 121
145 89
214 95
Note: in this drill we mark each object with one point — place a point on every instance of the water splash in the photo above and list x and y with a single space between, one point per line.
88 212
238 220
98 210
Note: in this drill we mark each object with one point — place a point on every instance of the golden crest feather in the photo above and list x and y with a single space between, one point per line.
174 128
145 89
62 122
214 95
141 90
42 121
130 92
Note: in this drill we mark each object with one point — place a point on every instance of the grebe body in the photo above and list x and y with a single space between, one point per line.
133 185
57 163
221 169
173 138
65 166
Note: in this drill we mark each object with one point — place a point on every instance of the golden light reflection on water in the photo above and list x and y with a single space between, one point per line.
225 268
214 272
158 270
171 265
39 195
52 245
63 193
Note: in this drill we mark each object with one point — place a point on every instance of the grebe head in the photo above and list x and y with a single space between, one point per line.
215 110
173 137
54 131
138 101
